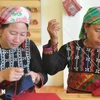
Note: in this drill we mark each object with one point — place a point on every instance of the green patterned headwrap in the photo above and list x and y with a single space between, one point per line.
92 17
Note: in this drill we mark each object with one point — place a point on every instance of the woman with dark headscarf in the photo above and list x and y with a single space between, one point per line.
82 57
19 56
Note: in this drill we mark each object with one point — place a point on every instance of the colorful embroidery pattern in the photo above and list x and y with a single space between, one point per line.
84 81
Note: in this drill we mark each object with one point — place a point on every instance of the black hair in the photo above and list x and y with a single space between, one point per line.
88 24
3 26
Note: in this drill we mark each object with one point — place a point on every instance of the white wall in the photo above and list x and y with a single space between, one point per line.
51 9
72 25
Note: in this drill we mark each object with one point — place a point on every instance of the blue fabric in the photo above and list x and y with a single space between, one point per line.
10 91
23 84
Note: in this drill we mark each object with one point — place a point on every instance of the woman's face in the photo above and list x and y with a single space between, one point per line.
93 35
13 35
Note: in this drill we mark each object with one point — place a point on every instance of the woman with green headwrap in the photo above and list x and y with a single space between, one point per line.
82 57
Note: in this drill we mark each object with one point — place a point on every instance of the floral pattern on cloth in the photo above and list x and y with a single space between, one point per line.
14 14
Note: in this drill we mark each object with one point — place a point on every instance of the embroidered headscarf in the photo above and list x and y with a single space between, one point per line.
92 17
13 14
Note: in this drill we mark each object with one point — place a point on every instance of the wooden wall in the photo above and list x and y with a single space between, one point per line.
35 8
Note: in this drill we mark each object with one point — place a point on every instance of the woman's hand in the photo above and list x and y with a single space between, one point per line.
53 28
35 77
12 74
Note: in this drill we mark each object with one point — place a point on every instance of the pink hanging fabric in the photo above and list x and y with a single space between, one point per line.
71 7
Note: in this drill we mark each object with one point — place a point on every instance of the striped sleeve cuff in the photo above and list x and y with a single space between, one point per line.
50 50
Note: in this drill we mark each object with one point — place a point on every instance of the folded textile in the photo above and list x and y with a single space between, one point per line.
37 96
23 84
96 92
10 91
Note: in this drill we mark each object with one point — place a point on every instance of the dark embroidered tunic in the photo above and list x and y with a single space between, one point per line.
26 56
83 64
